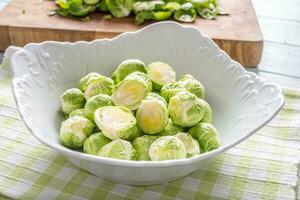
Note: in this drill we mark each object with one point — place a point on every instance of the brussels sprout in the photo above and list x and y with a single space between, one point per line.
186 109
191 145
160 74
192 85
91 2
71 100
171 129
75 130
152 116
119 149
188 82
83 82
207 136
162 15
207 13
116 122
127 67
98 85
154 96
119 8
186 13
96 102
167 148
142 145
208 113
94 143
78 112
132 90
171 89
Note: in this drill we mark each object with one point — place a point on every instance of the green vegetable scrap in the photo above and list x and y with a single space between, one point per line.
181 10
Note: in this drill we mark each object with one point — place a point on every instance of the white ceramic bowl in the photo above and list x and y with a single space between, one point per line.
241 101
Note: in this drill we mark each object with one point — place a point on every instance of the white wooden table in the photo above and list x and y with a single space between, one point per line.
280 24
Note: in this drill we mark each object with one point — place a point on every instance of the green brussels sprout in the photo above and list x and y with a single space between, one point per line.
171 89
77 112
127 67
116 122
171 129
132 90
167 148
186 109
208 113
152 116
83 82
98 85
186 13
206 135
94 143
192 85
91 2
188 82
71 100
142 145
79 9
155 96
94 103
75 130
191 145
142 77
102 6
118 149
160 74
119 8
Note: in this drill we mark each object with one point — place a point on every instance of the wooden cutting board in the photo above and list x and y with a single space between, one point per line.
27 21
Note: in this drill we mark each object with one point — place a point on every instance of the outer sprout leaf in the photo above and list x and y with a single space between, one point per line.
172 6
186 13
152 116
119 8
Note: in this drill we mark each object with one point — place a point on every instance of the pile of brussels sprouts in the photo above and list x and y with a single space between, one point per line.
158 10
140 113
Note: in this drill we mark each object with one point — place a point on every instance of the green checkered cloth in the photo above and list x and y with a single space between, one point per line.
265 166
